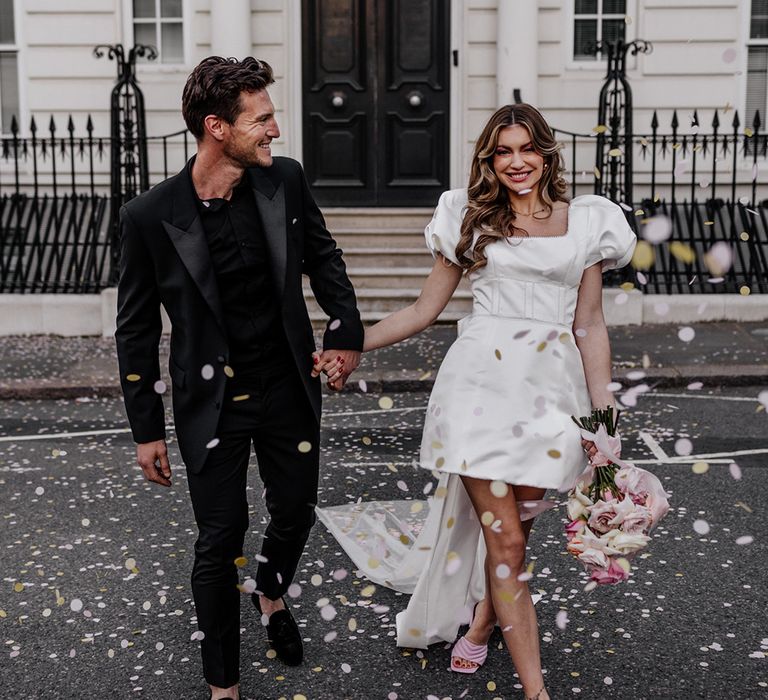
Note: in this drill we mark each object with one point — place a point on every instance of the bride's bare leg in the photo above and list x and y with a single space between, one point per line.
511 598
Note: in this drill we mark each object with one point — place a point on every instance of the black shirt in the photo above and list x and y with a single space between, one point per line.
241 264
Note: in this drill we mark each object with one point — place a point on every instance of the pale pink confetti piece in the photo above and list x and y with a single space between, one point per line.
249 586
701 527
333 325
745 539
715 280
683 447
613 386
392 696
681 168
339 574
621 298
453 564
330 637
729 55
328 612
528 190
695 386
363 386
658 229
76 605
160 386
735 470
754 172
608 680
686 334
346 668
561 619
762 397
206 372
503 571
402 485
525 576
213 443
294 590
199 635
635 375
661 308
641 278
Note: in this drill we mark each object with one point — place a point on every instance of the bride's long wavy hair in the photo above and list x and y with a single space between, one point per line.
488 209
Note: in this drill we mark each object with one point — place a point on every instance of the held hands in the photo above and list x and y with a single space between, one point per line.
153 460
337 365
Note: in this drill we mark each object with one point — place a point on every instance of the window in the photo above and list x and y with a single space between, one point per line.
597 20
160 23
9 68
757 63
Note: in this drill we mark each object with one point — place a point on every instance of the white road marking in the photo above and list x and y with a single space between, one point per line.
59 436
653 446
700 397
377 411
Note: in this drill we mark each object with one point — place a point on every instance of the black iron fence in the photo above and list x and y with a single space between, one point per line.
57 230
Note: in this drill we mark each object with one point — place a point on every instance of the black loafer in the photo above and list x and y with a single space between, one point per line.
283 634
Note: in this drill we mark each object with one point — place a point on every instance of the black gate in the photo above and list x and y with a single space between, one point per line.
376 101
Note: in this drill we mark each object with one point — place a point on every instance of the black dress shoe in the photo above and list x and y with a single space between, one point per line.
283 634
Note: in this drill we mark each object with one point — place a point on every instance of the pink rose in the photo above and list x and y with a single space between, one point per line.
638 521
601 514
573 528
594 557
614 573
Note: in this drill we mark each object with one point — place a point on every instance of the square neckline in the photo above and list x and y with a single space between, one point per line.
559 236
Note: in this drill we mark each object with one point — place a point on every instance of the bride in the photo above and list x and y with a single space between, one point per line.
498 430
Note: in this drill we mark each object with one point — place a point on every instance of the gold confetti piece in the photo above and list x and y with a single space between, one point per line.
437 445
440 462
644 256
615 153
709 223
368 591
423 663
627 286
130 563
241 397
541 346
564 337
392 468
575 674
305 446
491 686
741 504
700 467
745 291
271 654
299 696
240 562
316 579
441 492
486 518
676 146
450 523
133 377
18 587
3 613
373 562
744 236
417 506
366 440
229 371
600 129
497 352
555 454
385 402
499 489
748 132
682 252
405 539
597 172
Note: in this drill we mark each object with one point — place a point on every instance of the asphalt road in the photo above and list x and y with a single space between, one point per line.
95 599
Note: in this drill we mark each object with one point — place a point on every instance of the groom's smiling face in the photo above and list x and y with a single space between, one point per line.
247 141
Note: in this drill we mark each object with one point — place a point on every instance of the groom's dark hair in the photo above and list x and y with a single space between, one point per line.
215 85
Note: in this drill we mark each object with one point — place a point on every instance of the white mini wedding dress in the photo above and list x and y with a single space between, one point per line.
500 410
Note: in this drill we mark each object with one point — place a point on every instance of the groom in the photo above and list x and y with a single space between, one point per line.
222 246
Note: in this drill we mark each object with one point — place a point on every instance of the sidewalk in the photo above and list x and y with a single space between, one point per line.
52 367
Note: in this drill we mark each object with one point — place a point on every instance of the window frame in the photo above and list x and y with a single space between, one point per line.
749 42
598 64
150 67
17 48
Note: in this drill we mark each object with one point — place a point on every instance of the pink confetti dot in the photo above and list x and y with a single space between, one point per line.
701 527
561 620
333 325
206 372
294 590
160 386
735 470
729 55
683 447
346 668
745 539
686 334
695 386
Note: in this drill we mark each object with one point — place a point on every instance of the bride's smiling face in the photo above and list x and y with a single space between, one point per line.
516 163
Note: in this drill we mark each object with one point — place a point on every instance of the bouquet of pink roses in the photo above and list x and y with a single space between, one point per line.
614 505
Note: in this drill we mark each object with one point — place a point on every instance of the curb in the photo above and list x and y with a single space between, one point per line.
656 377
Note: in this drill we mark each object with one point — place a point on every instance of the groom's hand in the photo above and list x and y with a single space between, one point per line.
337 365
153 460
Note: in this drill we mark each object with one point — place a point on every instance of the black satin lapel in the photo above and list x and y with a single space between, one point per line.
272 212
192 247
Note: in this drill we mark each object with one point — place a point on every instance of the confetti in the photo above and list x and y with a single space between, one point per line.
76 605
682 252
229 371
211 444
745 291
316 580
644 256
206 372
333 325
561 619
657 229
735 470
160 387
497 352
719 259
385 402
701 527
346 668
363 386
499 489
683 447
555 454
745 539
503 571
686 334
695 386
527 190
700 467
130 563
133 377
729 55
241 397
304 446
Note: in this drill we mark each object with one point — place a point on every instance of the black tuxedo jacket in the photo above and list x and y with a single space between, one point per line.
164 259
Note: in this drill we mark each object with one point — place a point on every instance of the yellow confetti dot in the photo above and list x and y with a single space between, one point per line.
439 462
18 587
305 446
615 153
133 377
366 440
450 523
565 338
748 132
368 591
316 579
299 696
624 564
241 562
684 253
3 613
405 539
596 171
441 492
486 518
744 291
627 286
499 489
491 686
241 397
700 467
352 624
130 563
317 669
497 352
373 562
744 236
644 256
271 654
600 129
417 506
229 371
414 632
541 346
385 402
709 223
555 454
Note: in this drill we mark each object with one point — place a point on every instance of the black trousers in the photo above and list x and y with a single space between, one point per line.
278 418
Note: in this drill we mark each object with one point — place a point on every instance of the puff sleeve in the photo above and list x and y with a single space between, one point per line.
444 231
611 238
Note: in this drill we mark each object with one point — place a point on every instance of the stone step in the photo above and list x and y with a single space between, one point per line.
368 257
375 304
379 238
386 277
377 218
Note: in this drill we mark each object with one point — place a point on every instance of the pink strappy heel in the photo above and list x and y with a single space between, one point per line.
464 650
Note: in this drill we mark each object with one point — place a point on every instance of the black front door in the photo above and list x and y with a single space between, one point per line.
376 101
